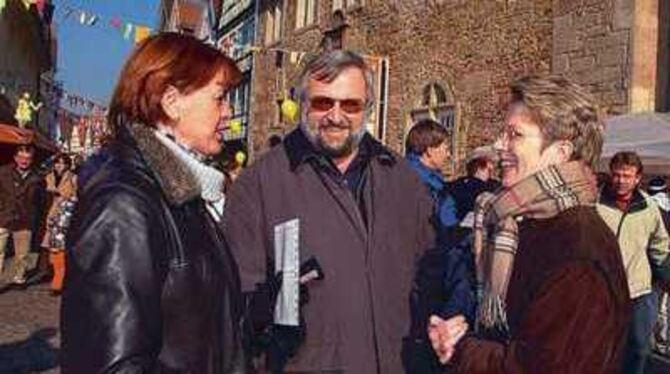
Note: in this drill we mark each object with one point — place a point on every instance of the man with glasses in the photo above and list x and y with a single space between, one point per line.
638 225
331 198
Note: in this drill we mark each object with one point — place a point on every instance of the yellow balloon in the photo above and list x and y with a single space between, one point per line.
236 126
240 157
289 109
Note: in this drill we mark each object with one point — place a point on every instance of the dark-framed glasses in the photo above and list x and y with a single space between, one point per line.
324 104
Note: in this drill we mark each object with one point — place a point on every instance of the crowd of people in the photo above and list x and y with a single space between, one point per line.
332 253
35 205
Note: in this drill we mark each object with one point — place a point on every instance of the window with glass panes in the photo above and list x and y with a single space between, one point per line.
273 22
344 4
437 104
239 102
306 13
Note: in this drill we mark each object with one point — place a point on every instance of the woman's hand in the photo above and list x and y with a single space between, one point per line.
445 334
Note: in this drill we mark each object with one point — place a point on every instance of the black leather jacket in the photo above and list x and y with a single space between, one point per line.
151 285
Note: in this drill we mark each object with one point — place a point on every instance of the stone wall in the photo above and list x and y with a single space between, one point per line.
592 46
25 53
471 48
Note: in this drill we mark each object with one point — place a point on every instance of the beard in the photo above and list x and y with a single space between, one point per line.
345 148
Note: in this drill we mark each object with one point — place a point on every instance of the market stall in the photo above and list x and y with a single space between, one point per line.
13 136
648 134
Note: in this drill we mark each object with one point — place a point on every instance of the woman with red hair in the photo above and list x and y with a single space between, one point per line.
151 284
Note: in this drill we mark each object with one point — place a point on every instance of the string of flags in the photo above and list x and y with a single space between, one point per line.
128 30
56 90
54 93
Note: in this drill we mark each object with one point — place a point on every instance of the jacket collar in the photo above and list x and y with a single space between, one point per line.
427 175
300 150
638 201
175 180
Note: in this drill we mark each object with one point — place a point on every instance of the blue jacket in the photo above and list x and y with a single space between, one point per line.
445 280
445 205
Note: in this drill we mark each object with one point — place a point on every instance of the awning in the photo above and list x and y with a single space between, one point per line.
12 136
647 134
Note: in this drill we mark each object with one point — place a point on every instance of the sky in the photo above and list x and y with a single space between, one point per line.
91 57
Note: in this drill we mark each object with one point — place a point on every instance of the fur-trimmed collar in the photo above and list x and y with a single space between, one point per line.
176 181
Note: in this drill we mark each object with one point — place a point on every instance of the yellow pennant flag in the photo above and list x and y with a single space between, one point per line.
141 33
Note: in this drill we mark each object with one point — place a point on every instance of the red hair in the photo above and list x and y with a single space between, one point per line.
160 61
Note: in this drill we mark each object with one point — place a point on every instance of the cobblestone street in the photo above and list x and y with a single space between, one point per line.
29 336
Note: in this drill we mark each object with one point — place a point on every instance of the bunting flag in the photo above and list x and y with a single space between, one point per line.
129 30
141 33
115 23
88 19
68 12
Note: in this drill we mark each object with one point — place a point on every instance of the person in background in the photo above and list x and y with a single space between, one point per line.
658 191
151 285
427 151
61 184
643 240
480 171
553 286
445 281
20 188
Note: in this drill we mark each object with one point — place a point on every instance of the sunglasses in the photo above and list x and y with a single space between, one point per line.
324 104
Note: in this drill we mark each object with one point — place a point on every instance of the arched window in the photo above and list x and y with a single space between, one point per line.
436 104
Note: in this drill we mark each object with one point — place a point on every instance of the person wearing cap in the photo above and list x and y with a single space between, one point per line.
643 240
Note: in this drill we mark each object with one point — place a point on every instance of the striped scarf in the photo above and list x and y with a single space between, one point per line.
542 195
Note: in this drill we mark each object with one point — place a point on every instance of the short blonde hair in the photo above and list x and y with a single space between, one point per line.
563 111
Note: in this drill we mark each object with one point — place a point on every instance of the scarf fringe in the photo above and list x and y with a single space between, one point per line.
493 313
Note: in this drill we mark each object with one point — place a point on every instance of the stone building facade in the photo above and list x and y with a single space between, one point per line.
27 56
453 59
235 37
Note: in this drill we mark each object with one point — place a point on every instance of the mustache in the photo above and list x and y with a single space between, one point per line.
334 125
